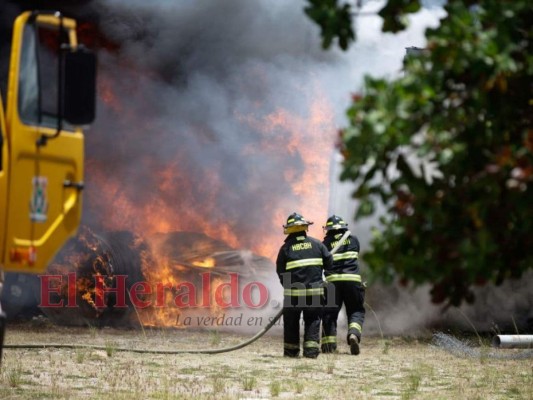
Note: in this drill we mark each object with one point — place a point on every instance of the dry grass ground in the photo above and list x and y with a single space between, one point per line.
393 368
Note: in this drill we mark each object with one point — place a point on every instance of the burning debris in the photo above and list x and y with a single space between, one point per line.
119 278
88 262
190 252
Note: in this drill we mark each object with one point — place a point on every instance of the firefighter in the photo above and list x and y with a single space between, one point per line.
299 265
343 286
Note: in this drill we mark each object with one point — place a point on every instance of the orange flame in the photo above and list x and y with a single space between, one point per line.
307 137
208 262
178 200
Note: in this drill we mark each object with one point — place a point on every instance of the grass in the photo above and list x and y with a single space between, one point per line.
275 388
110 348
14 376
330 364
413 380
80 355
409 369
386 346
219 384
215 338
249 383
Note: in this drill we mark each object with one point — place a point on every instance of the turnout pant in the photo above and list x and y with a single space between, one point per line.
294 307
352 295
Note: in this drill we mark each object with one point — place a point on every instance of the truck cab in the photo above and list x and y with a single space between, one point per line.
50 98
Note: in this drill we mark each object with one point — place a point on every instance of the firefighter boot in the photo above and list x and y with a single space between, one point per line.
329 348
311 349
353 340
311 354
291 350
329 344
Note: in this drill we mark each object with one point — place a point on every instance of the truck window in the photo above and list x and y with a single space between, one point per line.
28 86
38 85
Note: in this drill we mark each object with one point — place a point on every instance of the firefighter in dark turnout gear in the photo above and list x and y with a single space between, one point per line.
299 266
344 286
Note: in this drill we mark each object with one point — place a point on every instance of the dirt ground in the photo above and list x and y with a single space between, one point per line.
387 368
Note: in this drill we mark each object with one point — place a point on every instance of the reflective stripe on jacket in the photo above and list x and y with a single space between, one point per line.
343 278
345 265
300 262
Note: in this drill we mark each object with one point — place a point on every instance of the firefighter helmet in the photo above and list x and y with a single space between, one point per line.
295 223
335 223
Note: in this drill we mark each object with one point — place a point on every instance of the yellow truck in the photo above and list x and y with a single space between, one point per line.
50 98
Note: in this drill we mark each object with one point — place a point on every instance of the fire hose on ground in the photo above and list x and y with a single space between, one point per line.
192 351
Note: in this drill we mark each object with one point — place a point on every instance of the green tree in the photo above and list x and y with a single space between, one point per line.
464 105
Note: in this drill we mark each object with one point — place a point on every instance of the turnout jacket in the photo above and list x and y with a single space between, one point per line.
301 260
345 265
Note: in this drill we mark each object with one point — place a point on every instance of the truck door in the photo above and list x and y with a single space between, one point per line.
46 152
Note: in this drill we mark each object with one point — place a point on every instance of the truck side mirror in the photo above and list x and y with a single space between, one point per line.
79 86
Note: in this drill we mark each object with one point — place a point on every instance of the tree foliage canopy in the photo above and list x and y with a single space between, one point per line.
464 106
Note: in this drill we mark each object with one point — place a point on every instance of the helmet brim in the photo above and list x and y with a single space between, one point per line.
299 223
298 226
295 228
335 227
